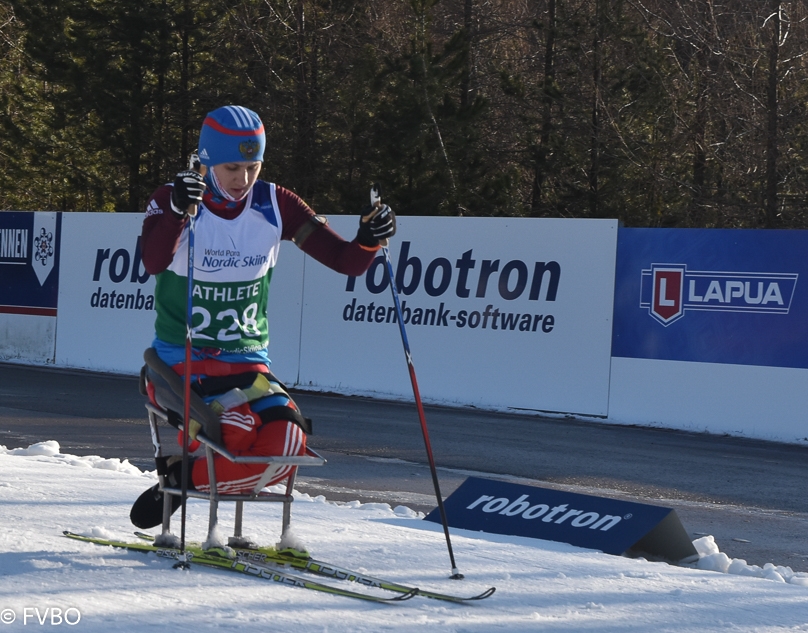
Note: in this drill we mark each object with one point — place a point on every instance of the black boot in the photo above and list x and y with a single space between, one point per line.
147 511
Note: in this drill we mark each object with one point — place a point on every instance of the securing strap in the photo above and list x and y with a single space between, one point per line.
262 390
315 222
213 385
162 465
234 397
213 367
281 412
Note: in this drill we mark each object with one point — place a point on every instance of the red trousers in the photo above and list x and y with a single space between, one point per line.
243 434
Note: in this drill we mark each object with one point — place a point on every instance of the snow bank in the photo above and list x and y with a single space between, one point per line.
51 449
712 559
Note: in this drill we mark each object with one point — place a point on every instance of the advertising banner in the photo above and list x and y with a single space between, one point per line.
29 262
29 285
712 296
510 313
106 297
610 525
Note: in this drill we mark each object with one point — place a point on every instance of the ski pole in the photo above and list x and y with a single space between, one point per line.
376 201
182 560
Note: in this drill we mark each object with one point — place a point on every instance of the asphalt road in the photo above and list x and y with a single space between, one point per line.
749 494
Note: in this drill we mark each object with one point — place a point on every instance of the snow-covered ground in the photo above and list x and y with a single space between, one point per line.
47 580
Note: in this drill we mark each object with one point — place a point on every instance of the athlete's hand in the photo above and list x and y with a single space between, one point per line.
376 224
189 186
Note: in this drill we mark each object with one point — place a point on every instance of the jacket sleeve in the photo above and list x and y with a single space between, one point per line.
323 244
161 232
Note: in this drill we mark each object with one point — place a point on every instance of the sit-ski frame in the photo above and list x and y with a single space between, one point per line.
274 463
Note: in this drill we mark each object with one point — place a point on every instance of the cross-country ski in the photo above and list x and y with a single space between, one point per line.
241 565
272 557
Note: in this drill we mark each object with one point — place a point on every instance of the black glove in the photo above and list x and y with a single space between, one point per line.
189 186
376 225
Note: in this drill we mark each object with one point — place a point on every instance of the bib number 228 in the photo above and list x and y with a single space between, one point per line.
234 327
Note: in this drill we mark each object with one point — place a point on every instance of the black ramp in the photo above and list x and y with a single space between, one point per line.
667 541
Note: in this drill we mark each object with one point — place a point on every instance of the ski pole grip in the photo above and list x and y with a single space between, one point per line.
376 203
197 166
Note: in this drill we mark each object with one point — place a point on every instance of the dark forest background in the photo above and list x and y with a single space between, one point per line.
674 113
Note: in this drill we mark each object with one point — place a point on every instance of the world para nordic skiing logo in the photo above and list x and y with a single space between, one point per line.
667 291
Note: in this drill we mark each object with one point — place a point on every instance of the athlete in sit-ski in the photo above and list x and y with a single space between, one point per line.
238 229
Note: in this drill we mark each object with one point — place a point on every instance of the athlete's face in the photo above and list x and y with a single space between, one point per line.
237 178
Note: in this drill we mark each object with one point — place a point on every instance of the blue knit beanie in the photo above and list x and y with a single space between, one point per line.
231 134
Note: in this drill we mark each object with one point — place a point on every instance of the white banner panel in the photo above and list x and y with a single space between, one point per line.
500 313
106 298
26 338
747 400
284 313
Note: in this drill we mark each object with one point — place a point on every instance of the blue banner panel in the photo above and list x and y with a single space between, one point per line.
29 262
713 296
497 507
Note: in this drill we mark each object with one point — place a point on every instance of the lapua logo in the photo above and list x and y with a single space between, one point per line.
669 291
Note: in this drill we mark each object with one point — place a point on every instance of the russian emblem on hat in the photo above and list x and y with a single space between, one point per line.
249 149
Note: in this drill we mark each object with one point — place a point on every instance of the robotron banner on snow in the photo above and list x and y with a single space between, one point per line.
611 525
